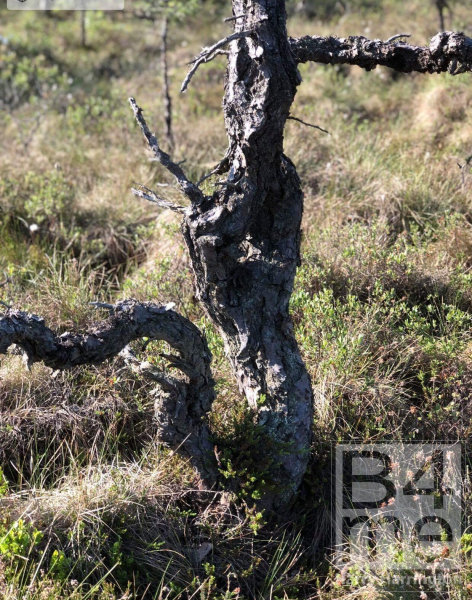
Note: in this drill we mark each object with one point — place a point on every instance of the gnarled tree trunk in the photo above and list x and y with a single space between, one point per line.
244 241
244 245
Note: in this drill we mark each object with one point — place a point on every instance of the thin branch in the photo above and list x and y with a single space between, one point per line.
397 37
308 124
103 305
207 54
186 186
227 184
218 53
448 52
147 194
148 370
218 170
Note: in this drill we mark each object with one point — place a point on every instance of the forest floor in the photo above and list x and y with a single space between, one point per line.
91 507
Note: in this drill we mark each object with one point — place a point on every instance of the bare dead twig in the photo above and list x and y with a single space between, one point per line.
191 190
397 37
308 124
218 170
235 18
103 305
147 194
207 54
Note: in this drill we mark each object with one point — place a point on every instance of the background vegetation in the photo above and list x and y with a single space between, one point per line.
90 505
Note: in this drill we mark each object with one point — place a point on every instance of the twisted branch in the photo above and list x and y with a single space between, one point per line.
182 404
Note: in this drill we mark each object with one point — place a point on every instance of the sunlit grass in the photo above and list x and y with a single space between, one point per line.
382 303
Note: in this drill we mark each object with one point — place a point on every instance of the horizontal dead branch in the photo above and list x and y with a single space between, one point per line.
448 52
186 186
147 194
131 320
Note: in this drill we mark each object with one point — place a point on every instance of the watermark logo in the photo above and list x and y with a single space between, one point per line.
398 507
65 4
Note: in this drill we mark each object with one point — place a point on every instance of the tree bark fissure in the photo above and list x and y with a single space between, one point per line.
448 52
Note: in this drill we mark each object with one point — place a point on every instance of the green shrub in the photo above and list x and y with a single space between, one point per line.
26 78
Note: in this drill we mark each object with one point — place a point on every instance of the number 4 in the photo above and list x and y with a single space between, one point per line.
437 490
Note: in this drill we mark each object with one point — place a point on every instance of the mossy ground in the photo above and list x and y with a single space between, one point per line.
90 505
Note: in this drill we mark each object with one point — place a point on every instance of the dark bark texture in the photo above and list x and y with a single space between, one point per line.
244 241
448 52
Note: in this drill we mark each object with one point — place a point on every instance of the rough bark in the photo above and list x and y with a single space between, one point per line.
448 52
244 240
244 244
182 405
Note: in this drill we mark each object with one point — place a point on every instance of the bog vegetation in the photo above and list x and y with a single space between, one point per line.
91 507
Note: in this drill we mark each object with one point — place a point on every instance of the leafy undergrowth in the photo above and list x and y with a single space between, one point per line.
90 505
